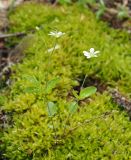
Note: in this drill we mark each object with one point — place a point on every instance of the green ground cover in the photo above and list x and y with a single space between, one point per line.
32 136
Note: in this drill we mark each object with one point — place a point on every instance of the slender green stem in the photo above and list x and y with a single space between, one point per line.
77 101
46 82
46 79
52 122
49 60
83 82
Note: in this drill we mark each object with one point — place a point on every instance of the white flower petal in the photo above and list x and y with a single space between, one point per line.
92 50
57 46
87 54
84 52
88 57
96 52
51 49
56 34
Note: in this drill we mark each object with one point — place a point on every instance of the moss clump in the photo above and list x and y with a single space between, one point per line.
32 136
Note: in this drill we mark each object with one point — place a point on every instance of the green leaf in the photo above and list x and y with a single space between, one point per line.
31 79
99 13
52 84
75 94
32 90
34 84
86 92
102 3
52 109
73 107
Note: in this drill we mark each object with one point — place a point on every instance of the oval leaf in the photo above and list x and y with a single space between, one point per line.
31 79
86 92
52 84
32 90
73 107
52 109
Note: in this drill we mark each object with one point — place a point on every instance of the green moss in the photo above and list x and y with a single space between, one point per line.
83 31
31 137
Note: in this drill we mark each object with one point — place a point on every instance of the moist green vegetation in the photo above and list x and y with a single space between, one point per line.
103 136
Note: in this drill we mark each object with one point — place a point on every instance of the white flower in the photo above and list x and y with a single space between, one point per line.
56 34
91 53
54 48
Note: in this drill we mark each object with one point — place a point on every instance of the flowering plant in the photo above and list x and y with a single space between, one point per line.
56 34
91 53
